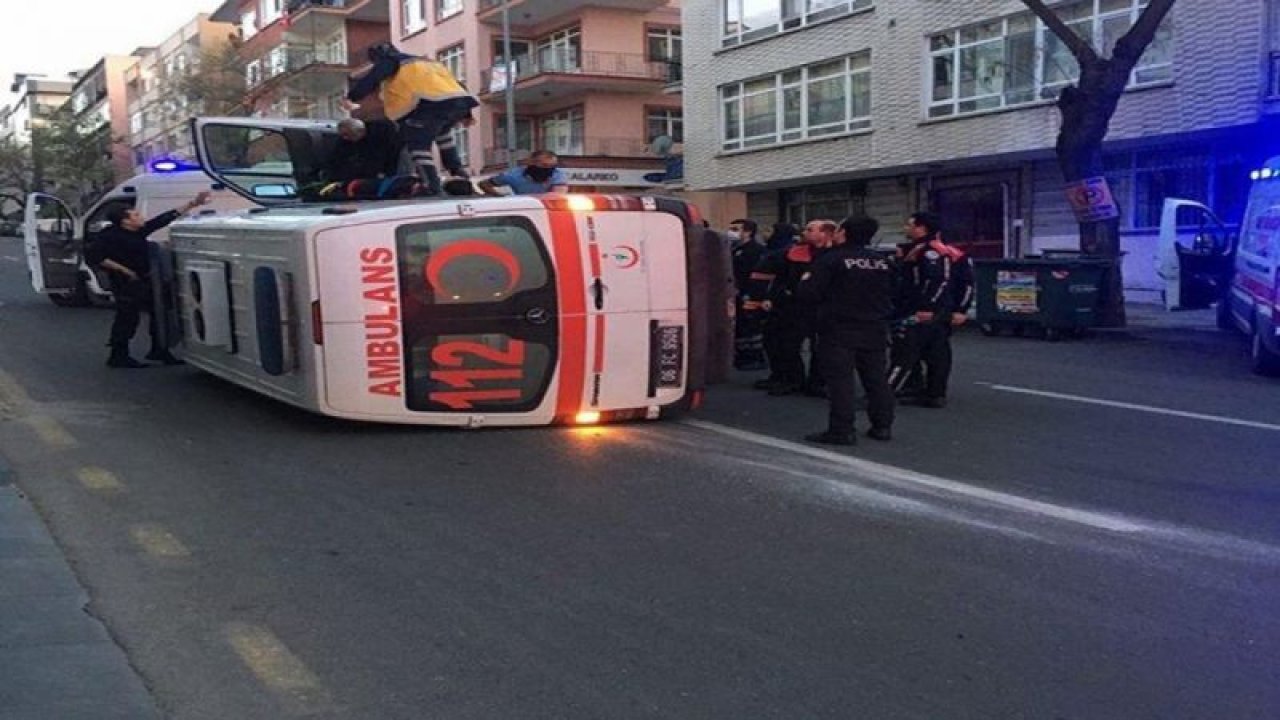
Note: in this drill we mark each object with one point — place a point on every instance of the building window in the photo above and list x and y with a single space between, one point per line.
823 202
413 16
665 44
270 11
135 123
561 132
828 98
560 51
462 140
1017 60
454 58
248 25
1142 180
253 74
665 122
747 20
447 8
524 137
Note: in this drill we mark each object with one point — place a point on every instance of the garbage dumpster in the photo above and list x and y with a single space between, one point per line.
1053 295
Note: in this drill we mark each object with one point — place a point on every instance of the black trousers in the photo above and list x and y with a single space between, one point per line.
929 343
133 298
866 356
785 335
421 129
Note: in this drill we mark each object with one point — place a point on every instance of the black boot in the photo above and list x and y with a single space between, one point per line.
120 359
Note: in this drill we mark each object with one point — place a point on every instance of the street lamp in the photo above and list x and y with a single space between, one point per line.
511 84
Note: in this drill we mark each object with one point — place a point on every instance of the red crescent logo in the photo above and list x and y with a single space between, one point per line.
483 248
628 258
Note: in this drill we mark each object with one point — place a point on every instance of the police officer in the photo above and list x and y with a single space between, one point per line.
937 292
122 250
788 322
748 336
854 288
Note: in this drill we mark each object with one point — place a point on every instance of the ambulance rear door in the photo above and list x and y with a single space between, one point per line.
443 317
637 308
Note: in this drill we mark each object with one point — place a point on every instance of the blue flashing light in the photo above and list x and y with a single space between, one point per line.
1267 173
171 165
1255 175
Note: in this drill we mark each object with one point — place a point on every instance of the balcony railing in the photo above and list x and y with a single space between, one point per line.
585 147
1273 77
296 5
286 59
573 62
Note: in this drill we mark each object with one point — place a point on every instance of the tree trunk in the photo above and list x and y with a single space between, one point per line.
1085 120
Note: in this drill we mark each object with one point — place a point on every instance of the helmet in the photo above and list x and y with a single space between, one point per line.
382 50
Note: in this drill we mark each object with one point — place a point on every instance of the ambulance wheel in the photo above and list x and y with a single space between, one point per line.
1019 330
1265 362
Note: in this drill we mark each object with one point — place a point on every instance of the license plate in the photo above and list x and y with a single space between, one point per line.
667 358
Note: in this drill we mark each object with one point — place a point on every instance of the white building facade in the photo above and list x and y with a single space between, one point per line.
826 108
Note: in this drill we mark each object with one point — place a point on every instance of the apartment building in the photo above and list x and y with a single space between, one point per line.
37 96
825 108
299 53
99 100
595 81
158 114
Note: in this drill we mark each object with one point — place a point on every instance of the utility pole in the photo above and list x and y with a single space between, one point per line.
511 84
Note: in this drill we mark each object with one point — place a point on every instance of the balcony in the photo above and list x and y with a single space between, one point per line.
323 17
536 12
552 75
305 68
591 147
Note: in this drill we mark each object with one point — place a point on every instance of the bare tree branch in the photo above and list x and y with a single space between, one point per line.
1079 47
1129 48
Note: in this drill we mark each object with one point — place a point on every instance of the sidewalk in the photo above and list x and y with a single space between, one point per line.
1149 315
56 661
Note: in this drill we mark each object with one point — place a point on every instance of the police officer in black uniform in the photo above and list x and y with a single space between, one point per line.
937 291
122 250
854 288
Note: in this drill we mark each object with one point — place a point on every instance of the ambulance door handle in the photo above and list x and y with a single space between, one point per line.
597 289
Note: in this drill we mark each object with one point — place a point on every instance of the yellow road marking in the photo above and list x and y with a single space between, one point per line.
51 432
279 669
13 399
99 480
158 542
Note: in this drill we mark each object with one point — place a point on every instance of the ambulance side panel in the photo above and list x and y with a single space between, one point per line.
244 298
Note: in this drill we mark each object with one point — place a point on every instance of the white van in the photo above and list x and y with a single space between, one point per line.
1250 300
54 237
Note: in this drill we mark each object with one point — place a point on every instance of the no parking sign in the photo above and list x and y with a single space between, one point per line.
1091 200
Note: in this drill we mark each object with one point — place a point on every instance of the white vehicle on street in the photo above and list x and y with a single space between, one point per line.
462 311
1249 300
54 237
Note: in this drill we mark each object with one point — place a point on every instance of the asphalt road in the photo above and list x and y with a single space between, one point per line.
1090 530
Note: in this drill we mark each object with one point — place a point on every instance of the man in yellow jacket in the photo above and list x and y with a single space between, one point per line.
425 99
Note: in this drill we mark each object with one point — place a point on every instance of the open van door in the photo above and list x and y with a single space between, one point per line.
52 247
268 161
1195 255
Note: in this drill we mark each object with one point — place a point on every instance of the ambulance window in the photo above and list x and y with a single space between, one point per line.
471 262
256 160
479 315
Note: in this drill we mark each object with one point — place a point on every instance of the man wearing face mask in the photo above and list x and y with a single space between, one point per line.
541 175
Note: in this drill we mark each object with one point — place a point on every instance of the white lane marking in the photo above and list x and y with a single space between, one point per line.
1101 521
1134 406
158 542
279 669
1217 544
10 259
99 480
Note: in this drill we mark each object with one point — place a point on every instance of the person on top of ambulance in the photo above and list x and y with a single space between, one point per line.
427 102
